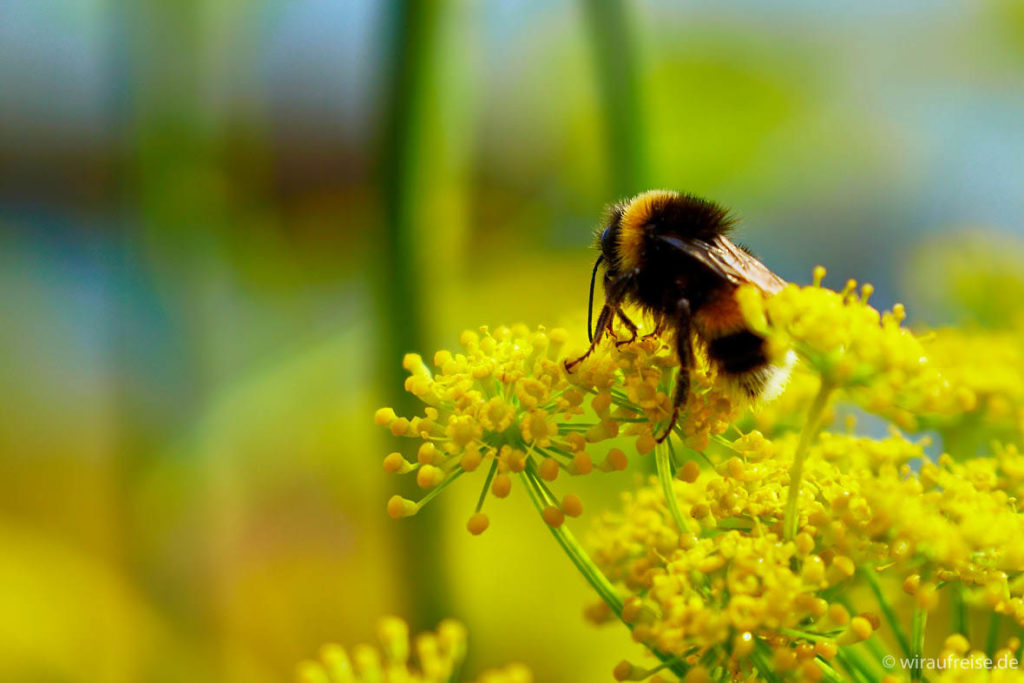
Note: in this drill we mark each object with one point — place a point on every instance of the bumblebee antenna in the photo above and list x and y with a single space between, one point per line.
590 303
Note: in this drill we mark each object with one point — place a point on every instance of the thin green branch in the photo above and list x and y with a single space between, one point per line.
854 663
888 613
665 477
615 60
763 662
487 485
593 575
918 626
806 635
434 492
590 571
796 472
995 620
958 609
830 673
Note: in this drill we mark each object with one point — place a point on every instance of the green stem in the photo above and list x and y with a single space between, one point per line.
412 31
917 631
763 662
830 673
615 59
590 571
814 417
487 485
992 641
797 633
862 659
663 462
959 610
870 576
855 666
874 646
434 492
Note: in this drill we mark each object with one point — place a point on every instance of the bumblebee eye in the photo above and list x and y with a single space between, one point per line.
608 238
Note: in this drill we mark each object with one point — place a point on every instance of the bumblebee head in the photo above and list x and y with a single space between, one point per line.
606 239
607 242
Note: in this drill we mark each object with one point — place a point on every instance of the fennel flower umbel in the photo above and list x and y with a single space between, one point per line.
769 545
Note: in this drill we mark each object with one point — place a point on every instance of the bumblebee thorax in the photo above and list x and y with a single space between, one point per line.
636 216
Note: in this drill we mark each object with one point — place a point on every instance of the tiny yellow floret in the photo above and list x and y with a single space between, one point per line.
478 523
553 516
399 507
572 505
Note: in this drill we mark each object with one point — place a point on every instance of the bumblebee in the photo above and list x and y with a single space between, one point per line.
669 254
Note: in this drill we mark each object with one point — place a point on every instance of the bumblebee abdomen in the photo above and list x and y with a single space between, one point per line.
738 352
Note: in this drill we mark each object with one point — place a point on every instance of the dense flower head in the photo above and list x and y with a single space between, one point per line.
733 577
432 657
497 403
951 379
986 368
508 402
851 346
839 334
633 385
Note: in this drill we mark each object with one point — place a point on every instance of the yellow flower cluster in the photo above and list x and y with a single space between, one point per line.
731 584
509 403
634 387
851 346
429 658
498 404
987 369
781 550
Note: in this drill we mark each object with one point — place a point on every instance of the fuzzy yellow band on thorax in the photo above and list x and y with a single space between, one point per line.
631 226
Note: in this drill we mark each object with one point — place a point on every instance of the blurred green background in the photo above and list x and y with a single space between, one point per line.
224 222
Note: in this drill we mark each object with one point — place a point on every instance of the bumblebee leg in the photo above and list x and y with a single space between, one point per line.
684 349
615 289
658 329
630 325
604 322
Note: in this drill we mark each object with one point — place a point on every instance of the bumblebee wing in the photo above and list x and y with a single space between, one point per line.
723 257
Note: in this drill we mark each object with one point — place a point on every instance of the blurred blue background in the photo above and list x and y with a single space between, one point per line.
223 223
